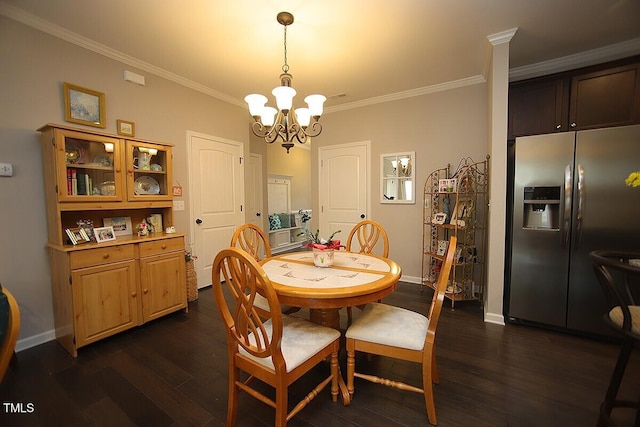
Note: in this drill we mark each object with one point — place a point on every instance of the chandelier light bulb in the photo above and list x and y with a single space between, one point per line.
304 116
284 97
268 116
315 104
256 103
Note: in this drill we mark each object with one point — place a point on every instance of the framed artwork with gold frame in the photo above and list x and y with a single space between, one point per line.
126 128
84 106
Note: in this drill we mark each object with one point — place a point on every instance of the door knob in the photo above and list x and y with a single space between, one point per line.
198 221
258 214
362 216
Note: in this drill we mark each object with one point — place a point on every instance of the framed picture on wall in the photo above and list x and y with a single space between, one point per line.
126 128
84 106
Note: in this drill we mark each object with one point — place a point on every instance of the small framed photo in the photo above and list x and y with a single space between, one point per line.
447 185
104 234
439 218
126 128
442 247
121 225
463 209
77 236
84 106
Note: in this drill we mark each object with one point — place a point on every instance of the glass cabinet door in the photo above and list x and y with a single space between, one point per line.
397 178
90 167
148 171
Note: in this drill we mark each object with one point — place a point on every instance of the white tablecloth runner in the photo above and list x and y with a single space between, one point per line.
307 276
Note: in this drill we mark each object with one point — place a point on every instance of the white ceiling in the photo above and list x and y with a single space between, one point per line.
366 49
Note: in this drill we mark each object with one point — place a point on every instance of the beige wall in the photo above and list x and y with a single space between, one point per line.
440 127
34 65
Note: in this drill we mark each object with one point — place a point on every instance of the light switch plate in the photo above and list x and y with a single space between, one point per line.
6 169
178 205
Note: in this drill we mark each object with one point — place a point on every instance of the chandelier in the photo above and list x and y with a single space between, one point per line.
286 123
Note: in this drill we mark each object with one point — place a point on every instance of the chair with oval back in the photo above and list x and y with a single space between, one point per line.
252 240
277 350
402 334
371 238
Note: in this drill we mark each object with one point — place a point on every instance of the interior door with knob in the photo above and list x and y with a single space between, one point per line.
254 194
344 187
216 185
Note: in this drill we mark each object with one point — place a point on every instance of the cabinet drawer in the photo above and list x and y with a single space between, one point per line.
161 246
91 257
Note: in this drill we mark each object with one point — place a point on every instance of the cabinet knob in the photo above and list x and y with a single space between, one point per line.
134 294
558 126
106 256
573 125
164 246
145 291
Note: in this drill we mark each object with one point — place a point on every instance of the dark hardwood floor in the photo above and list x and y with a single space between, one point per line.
173 372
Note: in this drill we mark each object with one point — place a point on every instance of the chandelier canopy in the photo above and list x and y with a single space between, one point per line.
286 123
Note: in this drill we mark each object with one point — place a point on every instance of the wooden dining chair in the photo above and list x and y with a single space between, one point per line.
10 324
371 239
252 240
403 334
277 350
618 272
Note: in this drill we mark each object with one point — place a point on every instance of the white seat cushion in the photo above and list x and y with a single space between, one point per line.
617 317
389 325
263 303
301 339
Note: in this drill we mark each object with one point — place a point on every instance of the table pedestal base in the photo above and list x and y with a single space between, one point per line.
330 317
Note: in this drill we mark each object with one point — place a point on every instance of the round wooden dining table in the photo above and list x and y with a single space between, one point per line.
354 279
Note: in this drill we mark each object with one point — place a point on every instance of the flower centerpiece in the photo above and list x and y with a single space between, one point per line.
633 180
322 248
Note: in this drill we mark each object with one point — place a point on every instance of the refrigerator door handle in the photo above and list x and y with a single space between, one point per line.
580 210
568 190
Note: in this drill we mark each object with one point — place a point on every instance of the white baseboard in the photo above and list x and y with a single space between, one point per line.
35 340
497 319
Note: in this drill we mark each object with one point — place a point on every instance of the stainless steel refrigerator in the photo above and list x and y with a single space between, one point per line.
570 198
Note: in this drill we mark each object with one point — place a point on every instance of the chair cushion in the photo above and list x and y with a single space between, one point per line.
389 325
301 339
261 302
617 317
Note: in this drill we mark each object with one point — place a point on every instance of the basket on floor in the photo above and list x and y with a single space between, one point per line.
192 282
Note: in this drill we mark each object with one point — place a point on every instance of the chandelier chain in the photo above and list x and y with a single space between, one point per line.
285 67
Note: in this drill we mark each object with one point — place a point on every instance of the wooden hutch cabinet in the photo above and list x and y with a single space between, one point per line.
100 289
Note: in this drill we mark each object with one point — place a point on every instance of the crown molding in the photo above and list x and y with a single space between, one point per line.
578 60
502 37
440 87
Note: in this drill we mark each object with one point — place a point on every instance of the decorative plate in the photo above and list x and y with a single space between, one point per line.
146 185
102 160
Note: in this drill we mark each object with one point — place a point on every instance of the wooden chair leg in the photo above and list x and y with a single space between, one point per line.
427 386
434 367
281 406
351 367
234 392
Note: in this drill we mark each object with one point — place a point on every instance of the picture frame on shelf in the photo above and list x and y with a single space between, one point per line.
126 128
104 234
121 225
77 235
84 106
448 185
442 247
439 218
464 209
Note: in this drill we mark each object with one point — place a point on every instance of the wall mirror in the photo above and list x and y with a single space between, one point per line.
397 177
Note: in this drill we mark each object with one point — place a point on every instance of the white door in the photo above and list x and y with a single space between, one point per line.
254 195
216 187
344 187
